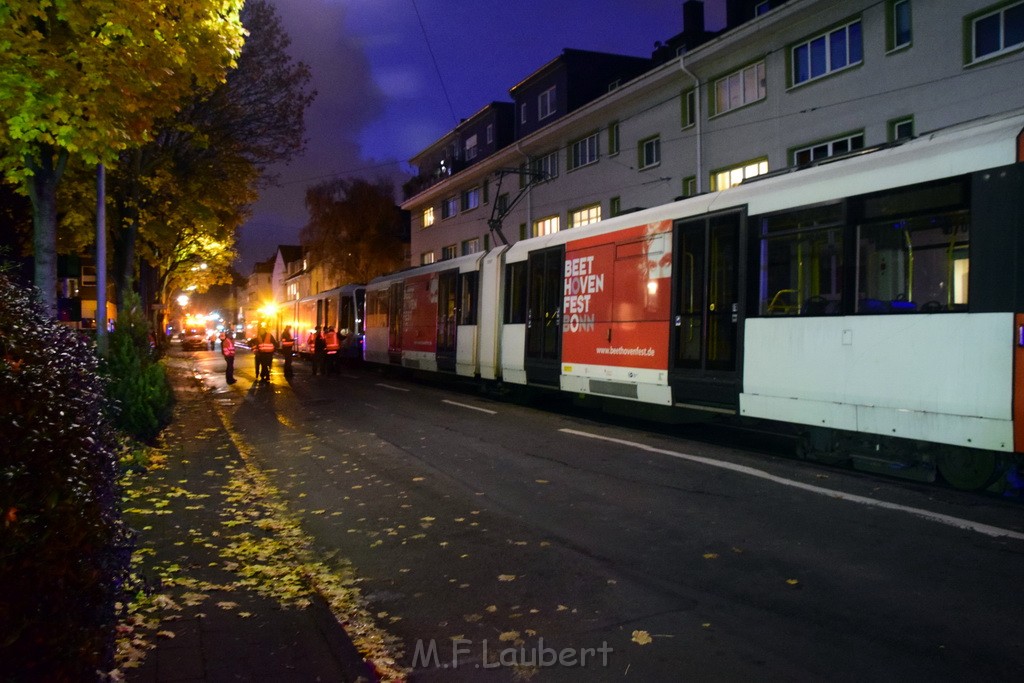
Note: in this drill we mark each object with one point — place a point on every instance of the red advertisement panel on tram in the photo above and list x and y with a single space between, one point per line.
419 314
617 297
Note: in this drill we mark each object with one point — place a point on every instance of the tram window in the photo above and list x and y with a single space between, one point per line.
913 251
515 293
801 261
467 298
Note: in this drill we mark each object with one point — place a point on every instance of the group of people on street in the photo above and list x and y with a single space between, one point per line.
325 344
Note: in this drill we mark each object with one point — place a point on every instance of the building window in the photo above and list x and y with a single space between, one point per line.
821 150
471 148
546 167
649 152
522 113
689 105
897 24
585 215
689 186
449 207
901 128
502 203
613 138
734 175
996 32
762 8
470 246
545 226
546 104
583 152
426 258
471 199
615 206
428 216
740 88
448 252
833 51
490 133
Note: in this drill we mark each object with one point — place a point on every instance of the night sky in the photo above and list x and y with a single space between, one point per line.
381 99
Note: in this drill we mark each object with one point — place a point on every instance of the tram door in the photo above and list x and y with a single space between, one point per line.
545 286
446 319
706 311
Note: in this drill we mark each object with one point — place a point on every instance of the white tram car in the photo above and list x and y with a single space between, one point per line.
875 300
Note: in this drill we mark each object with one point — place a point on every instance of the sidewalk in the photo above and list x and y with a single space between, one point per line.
208 621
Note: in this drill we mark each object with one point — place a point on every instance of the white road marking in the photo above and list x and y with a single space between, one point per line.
957 522
394 388
466 405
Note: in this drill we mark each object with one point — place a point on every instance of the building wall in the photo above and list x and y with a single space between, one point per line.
928 81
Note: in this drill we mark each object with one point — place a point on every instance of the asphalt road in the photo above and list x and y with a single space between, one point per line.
499 541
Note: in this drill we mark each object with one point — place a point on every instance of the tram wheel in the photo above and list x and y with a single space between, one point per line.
968 470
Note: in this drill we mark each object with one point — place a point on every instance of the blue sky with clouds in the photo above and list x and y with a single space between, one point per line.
382 99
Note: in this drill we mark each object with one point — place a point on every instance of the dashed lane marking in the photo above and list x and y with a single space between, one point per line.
466 405
949 520
393 388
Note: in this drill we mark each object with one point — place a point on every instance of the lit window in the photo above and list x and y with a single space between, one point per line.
471 199
448 252
650 152
997 32
821 150
426 258
428 216
583 152
545 226
546 104
726 178
585 215
830 52
739 88
449 207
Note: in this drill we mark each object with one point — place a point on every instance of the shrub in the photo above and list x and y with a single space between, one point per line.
141 395
63 548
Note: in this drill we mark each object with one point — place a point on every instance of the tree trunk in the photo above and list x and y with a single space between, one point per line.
43 193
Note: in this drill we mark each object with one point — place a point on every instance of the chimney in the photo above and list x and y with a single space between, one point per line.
693 17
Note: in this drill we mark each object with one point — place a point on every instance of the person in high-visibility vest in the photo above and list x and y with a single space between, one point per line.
287 349
319 350
332 344
227 347
265 346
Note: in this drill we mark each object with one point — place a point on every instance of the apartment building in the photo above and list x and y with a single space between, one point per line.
786 84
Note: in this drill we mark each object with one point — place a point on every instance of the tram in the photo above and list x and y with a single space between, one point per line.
873 301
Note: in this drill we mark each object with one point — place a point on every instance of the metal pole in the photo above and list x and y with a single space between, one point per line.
101 260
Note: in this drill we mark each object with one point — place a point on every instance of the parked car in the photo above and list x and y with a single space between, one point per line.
193 339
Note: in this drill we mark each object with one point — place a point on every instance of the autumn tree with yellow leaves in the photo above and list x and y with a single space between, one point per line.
85 80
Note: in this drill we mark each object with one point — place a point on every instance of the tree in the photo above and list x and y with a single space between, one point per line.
355 228
86 79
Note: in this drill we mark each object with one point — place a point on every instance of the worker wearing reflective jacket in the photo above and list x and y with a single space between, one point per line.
287 348
332 344
265 346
